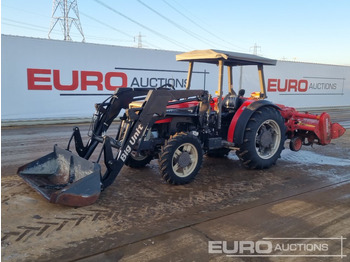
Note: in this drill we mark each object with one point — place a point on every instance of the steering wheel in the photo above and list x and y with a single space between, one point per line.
167 86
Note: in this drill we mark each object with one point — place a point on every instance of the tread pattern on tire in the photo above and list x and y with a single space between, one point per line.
247 153
166 154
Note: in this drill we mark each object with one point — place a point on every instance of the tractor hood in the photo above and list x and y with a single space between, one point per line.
230 58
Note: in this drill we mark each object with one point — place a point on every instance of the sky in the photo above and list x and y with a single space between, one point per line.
316 31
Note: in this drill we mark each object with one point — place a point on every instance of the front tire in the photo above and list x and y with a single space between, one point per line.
180 159
263 139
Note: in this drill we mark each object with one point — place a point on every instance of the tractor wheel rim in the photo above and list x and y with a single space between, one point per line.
139 157
267 139
185 159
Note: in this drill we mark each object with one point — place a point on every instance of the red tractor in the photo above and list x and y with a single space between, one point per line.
178 127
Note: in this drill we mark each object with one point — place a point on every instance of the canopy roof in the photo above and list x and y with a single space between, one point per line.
230 58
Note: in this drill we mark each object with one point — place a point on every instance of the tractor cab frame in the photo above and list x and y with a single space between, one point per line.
228 59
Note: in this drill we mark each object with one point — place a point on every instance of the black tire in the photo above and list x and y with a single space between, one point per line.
138 161
180 158
220 152
263 139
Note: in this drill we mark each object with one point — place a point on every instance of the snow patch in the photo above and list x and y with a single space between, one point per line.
309 157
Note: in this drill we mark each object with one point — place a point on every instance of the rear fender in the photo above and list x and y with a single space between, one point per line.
241 118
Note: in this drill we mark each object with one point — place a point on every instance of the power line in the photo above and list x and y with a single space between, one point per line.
44 29
25 11
32 28
149 44
107 38
190 33
37 28
203 28
179 26
25 27
115 29
25 24
173 41
107 25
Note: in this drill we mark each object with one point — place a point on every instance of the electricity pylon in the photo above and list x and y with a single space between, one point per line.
66 13
139 40
255 49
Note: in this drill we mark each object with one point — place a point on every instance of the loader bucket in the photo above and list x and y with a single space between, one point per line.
64 178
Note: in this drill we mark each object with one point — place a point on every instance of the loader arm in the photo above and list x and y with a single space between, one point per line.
105 114
139 120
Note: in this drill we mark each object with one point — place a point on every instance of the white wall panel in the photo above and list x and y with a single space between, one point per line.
35 73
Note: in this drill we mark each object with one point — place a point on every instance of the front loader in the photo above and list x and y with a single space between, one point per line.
178 127
69 179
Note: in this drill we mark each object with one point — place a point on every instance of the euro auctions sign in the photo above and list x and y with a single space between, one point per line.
307 85
48 79
281 247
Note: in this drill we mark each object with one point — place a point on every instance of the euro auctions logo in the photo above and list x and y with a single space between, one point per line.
306 85
280 247
63 80
288 85
47 79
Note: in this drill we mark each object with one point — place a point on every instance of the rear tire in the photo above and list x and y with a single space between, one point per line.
180 159
263 139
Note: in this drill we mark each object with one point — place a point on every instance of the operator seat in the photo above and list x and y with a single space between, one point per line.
229 102
232 101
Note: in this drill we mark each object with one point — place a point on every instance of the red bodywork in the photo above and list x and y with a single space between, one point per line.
231 129
177 106
312 127
315 128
